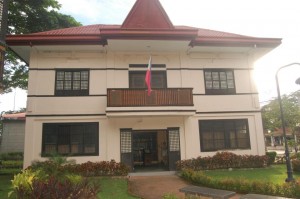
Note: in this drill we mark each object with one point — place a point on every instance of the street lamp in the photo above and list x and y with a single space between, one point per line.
287 153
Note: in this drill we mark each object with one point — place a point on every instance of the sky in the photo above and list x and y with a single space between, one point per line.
258 18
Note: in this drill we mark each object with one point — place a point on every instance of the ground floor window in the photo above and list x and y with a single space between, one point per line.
70 138
224 134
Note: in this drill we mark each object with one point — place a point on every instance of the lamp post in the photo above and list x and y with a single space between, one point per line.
287 153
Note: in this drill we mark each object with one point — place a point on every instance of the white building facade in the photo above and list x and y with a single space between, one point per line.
87 97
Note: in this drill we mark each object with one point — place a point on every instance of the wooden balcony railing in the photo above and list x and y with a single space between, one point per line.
158 97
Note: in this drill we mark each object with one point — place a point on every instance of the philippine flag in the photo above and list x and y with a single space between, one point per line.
148 77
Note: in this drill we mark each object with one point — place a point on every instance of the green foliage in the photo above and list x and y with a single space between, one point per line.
11 156
50 179
103 168
26 17
54 188
10 164
293 145
271 155
22 182
223 160
54 166
296 165
291 110
295 156
243 186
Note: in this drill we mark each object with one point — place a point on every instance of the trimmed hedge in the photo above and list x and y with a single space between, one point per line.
87 169
12 164
291 189
11 156
223 160
103 168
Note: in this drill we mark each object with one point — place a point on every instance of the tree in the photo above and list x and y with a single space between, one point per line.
29 16
291 111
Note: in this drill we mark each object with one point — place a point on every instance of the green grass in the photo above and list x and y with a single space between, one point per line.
275 173
6 175
5 185
114 188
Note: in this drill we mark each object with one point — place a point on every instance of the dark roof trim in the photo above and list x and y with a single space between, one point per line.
34 39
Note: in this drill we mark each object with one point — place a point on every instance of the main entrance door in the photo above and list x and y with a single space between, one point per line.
150 150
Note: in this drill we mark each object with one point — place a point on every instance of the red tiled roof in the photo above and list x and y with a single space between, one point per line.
146 20
98 34
14 116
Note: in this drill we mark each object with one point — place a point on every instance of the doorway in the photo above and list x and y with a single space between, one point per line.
150 150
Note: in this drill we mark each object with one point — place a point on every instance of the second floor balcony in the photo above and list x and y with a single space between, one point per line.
159 97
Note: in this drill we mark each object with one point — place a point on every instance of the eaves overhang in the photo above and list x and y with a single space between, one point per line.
236 42
34 39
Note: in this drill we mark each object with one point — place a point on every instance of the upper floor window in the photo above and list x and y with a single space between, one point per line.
137 79
219 81
224 134
72 82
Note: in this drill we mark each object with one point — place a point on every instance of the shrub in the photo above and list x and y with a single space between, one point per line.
103 168
272 156
223 160
52 179
54 188
291 189
10 164
295 156
296 165
11 156
22 182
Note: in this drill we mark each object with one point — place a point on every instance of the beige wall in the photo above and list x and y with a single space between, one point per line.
110 70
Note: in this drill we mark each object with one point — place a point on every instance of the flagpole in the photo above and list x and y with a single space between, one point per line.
148 73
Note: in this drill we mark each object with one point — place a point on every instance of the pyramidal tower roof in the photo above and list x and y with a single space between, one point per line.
147 14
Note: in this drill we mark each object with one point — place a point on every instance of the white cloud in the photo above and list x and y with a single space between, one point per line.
97 11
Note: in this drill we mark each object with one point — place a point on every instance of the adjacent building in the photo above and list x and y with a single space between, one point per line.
13 133
87 96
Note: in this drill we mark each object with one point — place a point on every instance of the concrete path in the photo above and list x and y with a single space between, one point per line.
155 185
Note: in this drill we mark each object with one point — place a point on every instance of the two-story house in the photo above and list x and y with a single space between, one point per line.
87 96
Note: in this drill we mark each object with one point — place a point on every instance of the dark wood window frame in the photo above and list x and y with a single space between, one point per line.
71 139
72 82
224 134
141 79
219 81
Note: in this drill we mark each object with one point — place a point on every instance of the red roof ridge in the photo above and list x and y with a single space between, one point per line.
147 14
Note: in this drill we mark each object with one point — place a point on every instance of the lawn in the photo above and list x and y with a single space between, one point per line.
111 188
6 175
114 188
5 185
275 173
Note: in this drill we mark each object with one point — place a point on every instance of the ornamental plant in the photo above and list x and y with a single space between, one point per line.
223 160
49 179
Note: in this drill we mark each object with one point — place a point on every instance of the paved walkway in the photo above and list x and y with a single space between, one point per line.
155 185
